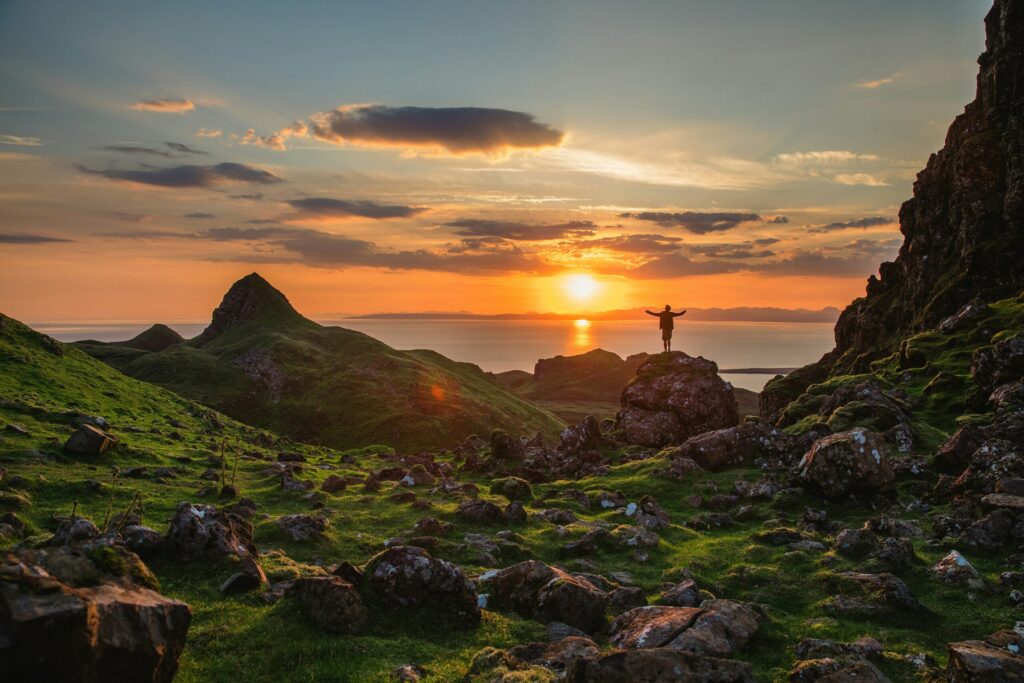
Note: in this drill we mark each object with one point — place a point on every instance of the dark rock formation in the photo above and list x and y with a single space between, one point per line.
658 665
673 397
86 613
736 446
963 229
538 591
331 603
156 338
405 576
89 440
846 463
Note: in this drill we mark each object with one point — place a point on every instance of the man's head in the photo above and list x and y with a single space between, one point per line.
667 307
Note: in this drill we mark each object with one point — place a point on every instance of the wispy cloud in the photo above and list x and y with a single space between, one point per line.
277 140
20 140
830 157
855 223
876 83
165 105
207 133
512 230
867 179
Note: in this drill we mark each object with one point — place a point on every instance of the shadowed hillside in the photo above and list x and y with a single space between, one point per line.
261 361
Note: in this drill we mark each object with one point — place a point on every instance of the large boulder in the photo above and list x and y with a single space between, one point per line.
89 440
673 397
717 628
585 436
657 665
331 603
87 626
407 576
974 661
205 529
734 446
851 462
538 591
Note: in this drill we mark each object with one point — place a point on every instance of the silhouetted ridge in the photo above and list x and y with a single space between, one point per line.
251 298
156 338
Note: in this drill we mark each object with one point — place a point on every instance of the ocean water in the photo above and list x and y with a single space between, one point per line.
499 345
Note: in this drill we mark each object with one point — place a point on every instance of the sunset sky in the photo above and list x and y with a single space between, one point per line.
464 156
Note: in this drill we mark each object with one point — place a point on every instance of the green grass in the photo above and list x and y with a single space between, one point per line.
239 638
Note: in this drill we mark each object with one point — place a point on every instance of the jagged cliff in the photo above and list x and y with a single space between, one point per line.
963 228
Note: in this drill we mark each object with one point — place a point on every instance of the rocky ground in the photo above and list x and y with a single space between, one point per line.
735 552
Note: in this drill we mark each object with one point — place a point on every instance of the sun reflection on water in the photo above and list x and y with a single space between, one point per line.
581 340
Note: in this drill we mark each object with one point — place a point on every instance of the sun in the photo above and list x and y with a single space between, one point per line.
581 286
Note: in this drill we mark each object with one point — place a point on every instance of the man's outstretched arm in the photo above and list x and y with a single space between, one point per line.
676 315
651 313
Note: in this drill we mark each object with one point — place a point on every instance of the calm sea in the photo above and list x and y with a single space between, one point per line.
499 345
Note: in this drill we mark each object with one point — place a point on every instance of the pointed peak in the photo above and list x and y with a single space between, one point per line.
250 298
157 338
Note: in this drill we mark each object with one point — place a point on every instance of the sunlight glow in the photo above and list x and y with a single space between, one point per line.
582 324
581 286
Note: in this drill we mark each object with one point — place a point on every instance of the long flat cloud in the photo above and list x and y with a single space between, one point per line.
165 105
189 175
29 238
856 223
697 222
456 130
511 230
325 207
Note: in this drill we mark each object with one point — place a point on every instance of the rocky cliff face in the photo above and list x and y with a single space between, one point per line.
964 226
249 298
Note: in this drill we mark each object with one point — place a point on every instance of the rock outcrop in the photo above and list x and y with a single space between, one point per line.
547 594
674 397
86 613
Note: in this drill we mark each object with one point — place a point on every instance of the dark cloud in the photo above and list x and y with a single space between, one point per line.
698 222
729 251
254 197
182 148
778 220
27 238
856 223
458 130
511 230
145 235
261 221
200 215
476 244
807 263
322 249
129 217
341 208
145 151
677 265
189 175
634 244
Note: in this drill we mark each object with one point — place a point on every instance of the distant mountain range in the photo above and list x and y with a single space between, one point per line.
828 314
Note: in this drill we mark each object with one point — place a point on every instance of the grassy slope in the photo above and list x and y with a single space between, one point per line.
240 638
339 387
932 369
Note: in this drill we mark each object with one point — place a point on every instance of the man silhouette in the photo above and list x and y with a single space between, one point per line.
666 324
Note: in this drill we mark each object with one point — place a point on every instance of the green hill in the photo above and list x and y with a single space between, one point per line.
262 362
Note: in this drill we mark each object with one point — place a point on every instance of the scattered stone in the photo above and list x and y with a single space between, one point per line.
89 440
851 462
717 628
538 591
205 529
301 527
408 672
657 665
479 511
331 603
430 526
513 488
683 594
334 484
583 437
73 530
634 536
974 660
408 576
734 446
954 568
